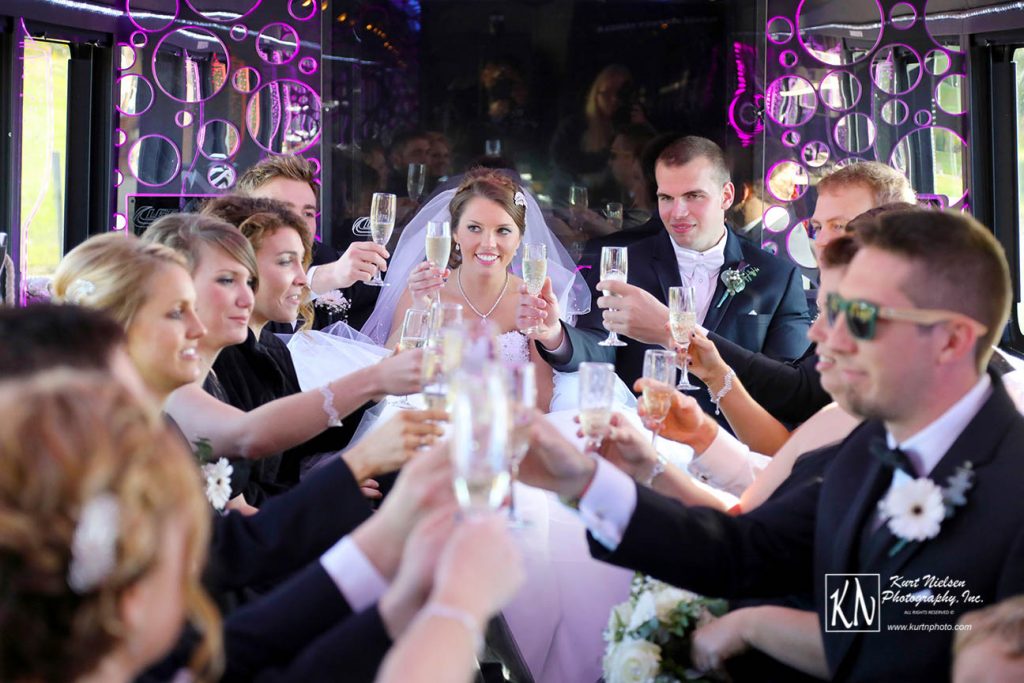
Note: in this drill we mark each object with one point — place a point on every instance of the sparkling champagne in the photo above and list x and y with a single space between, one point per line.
482 489
380 231
438 250
614 275
534 272
683 323
657 402
595 421
436 398
410 343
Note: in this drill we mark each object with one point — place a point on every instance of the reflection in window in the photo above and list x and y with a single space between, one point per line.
43 154
1018 62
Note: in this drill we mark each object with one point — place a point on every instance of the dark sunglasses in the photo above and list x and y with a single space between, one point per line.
862 316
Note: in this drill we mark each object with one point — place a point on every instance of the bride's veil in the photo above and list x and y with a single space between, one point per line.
567 283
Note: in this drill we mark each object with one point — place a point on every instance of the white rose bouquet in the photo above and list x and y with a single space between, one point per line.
648 636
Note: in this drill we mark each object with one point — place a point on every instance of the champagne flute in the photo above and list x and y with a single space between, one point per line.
614 266
442 316
492 148
438 247
660 366
414 336
535 271
613 212
415 181
682 320
597 390
522 387
382 222
480 434
435 379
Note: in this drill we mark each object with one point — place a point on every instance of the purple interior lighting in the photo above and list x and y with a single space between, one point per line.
788 59
885 55
315 163
839 60
923 118
118 177
743 108
779 30
208 136
937 62
183 118
143 99
154 144
203 40
277 43
308 65
781 102
775 219
777 174
902 16
815 154
770 247
302 10
294 116
833 83
239 32
138 39
791 138
120 137
895 112
125 56
150 20
854 133
223 10
245 80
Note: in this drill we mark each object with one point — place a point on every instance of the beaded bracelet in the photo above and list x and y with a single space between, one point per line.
726 387
442 611
333 419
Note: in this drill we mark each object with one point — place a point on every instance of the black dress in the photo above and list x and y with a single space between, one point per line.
256 372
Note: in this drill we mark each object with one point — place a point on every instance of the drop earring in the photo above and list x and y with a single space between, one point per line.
457 247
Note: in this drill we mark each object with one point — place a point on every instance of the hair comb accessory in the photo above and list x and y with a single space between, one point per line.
94 545
520 199
78 290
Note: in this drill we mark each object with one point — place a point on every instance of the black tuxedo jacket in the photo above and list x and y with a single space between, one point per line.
769 315
304 631
791 542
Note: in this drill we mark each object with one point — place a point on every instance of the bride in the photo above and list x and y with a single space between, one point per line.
490 217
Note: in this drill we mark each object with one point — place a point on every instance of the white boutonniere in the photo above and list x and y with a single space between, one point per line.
736 279
915 510
333 301
216 474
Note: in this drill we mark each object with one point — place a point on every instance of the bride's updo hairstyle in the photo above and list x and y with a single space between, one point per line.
91 480
490 184
111 273
186 233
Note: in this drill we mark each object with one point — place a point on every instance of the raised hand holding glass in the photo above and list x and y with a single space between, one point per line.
614 266
682 320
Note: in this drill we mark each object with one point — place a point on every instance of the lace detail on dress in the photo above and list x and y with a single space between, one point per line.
514 347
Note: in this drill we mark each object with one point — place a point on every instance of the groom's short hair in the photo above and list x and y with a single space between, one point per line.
959 266
684 149
45 336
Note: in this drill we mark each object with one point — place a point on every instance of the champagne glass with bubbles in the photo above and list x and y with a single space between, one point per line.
438 246
614 266
597 391
522 386
382 222
613 212
416 180
442 316
682 320
535 270
414 336
481 421
660 366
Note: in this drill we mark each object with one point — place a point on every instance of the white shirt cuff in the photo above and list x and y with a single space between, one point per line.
563 352
313 296
353 574
728 464
608 504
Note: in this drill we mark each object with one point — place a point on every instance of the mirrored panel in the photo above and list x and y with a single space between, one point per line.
190 64
839 32
283 116
790 100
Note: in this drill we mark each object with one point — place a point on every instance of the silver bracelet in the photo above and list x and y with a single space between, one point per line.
659 468
726 387
333 419
442 611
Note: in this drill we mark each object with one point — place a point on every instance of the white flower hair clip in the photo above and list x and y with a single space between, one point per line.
78 290
520 199
94 545
218 482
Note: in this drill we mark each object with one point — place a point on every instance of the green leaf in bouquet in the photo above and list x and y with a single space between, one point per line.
203 450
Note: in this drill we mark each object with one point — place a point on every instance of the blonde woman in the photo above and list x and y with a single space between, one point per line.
103 531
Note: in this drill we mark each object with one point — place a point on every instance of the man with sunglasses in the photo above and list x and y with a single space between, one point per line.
912 330
792 391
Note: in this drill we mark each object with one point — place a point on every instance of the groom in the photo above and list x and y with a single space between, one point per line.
911 330
694 191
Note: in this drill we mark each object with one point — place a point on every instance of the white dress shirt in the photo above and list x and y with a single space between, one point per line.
354 575
610 501
700 269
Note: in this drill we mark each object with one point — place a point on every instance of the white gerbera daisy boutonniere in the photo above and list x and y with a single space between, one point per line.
914 511
216 474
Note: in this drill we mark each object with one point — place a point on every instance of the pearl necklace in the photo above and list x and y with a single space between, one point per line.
458 281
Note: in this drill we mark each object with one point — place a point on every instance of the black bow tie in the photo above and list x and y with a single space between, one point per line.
893 458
